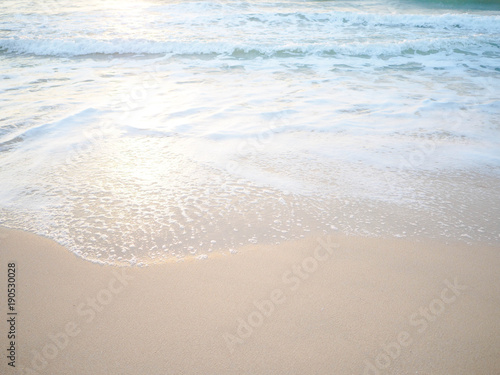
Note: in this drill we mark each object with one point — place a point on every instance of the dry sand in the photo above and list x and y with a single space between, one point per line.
368 306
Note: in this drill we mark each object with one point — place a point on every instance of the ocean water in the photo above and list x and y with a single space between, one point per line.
138 131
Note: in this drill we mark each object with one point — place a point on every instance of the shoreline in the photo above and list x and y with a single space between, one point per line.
366 306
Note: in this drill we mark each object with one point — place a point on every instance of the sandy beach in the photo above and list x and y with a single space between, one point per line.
250 187
324 305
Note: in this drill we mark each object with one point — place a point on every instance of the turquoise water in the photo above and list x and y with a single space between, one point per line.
133 131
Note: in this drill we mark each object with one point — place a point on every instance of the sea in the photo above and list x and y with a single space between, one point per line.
140 131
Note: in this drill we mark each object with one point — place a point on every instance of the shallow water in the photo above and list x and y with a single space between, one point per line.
132 131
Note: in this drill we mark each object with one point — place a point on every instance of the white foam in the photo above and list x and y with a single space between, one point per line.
88 46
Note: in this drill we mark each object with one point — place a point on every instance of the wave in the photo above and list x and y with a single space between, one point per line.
489 23
90 46
473 22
